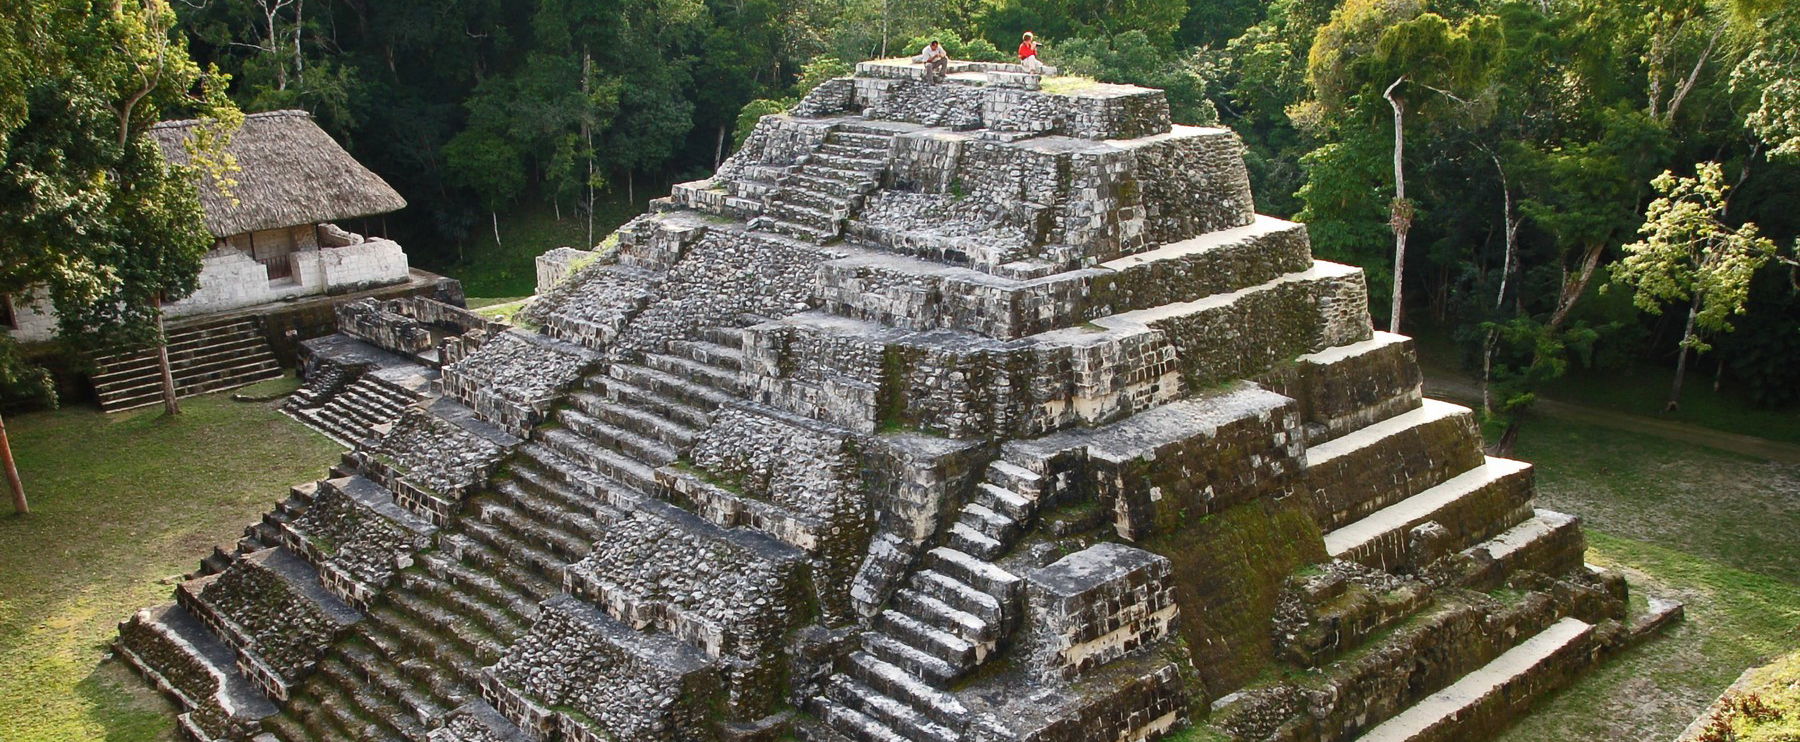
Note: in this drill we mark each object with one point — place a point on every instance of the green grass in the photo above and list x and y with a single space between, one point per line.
121 505
1733 510
1711 529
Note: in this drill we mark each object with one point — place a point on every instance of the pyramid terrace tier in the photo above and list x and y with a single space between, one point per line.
1022 208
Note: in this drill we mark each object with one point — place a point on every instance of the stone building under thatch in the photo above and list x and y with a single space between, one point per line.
274 225
279 260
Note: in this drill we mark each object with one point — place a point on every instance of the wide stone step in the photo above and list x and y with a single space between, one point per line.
1378 465
1005 501
854 724
982 575
647 450
424 700
897 683
631 479
1548 542
891 712
565 545
210 676
546 500
934 612
237 376
946 646
360 713
1016 478
839 185
495 620
834 201
670 386
863 140
1484 700
958 594
804 212
317 723
382 716
184 336
645 423
483 557
796 230
392 644
593 493
489 589
996 526
722 379
509 551
709 353
869 165
920 663
1470 507
448 624
967 538
670 409
197 355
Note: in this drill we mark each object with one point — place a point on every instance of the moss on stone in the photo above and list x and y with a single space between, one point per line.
1229 569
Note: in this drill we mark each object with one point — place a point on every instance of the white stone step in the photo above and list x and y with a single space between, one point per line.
1376 540
1431 411
1435 717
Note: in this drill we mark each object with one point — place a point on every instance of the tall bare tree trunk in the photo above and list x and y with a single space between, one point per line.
630 188
496 216
719 147
1400 217
587 135
171 403
20 506
1681 361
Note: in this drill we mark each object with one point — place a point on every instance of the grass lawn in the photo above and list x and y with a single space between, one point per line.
1712 529
121 506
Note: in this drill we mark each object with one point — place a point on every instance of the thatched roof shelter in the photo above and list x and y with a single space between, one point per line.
291 173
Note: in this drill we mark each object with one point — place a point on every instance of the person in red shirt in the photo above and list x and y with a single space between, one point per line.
1028 54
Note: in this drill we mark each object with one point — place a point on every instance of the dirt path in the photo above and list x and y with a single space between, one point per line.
1444 384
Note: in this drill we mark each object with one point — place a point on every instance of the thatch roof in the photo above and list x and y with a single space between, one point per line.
291 173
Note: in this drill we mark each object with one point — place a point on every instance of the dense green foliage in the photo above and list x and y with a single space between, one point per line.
1532 128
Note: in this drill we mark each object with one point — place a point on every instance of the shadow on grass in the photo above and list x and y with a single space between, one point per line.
120 703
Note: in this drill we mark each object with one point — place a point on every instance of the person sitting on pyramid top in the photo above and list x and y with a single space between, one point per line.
935 59
1028 50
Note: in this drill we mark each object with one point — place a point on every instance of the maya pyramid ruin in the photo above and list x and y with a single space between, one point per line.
978 410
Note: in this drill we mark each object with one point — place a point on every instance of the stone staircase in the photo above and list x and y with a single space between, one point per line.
479 592
203 357
948 619
816 198
348 415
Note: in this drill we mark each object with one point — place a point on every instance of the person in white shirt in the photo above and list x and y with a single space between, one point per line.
936 61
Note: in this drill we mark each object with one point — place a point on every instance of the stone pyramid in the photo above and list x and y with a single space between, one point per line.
977 410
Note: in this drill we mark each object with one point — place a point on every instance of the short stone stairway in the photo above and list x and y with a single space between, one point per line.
203 357
947 620
349 415
817 197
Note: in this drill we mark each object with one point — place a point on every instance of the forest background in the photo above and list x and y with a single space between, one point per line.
1538 234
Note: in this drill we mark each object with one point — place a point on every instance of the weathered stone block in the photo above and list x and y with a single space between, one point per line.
1099 604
